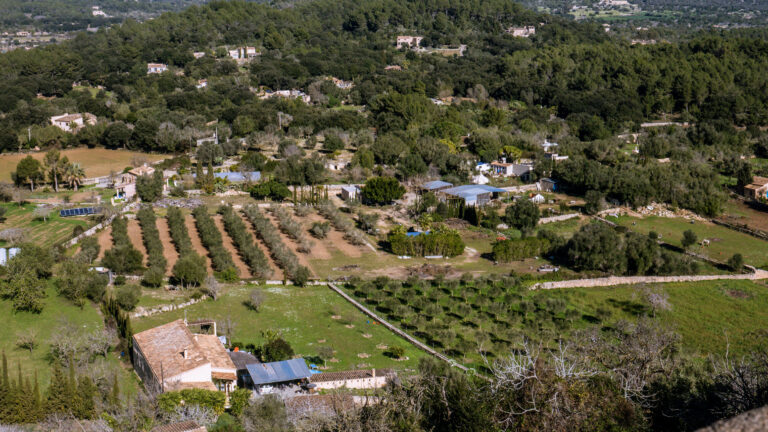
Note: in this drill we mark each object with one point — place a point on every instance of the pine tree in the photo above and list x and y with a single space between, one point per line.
37 404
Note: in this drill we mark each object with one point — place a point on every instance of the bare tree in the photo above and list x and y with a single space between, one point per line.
42 213
13 236
212 287
27 339
201 415
255 299
658 299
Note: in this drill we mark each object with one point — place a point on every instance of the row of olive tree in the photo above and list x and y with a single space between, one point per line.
123 257
190 269
283 256
244 242
342 223
292 227
211 239
156 260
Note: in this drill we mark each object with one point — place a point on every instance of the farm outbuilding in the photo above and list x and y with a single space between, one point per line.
473 194
435 186
350 192
291 371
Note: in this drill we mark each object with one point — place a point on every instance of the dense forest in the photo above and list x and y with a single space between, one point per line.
571 82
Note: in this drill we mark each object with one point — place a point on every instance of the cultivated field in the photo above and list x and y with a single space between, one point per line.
43 233
96 161
308 318
723 242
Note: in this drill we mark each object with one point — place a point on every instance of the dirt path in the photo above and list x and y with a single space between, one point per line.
242 268
290 243
105 241
629 280
169 251
336 238
277 272
134 234
197 245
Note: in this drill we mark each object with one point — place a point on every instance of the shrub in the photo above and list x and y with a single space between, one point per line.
320 229
127 297
512 250
249 251
214 400
189 270
396 352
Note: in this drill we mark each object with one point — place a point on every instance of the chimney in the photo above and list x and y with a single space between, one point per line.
374 372
185 354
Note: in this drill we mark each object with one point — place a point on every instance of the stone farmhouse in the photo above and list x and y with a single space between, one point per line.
73 122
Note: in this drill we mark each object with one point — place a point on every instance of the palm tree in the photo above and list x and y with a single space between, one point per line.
74 174
54 163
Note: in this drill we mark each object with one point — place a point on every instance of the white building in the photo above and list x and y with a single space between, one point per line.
480 179
355 379
198 54
170 357
73 122
408 41
526 31
203 83
156 68
243 53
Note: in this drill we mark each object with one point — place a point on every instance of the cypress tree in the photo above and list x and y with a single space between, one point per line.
36 401
114 396
4 391
57 399
86 392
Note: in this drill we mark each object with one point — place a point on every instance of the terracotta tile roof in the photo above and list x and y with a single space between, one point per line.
185 426
350 374
759 181
214 351
142 170
228 376
165 345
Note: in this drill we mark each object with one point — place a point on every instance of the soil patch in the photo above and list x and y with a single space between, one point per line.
134 233
277 272
242 268
105 241
739 294
319 251
169 251
336 238
197 245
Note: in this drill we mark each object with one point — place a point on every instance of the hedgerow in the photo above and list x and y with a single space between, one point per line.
156 261
211 239
283 256
249 251
178 231
292 228
123 257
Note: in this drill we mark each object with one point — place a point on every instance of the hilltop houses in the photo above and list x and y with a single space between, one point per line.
758 189
408 41
73 122
285 94
170 357
156 68
524 31
243 53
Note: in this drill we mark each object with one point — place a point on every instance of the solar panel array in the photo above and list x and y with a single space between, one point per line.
83 211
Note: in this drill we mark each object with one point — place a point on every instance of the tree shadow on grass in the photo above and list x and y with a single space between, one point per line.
634 308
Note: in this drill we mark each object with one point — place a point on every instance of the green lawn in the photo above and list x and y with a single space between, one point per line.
43 233
724 242
305 318
708 315
57 311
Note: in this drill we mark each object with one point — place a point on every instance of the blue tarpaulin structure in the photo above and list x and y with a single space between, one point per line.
277 372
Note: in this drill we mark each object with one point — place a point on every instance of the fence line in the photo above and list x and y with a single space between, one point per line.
396 330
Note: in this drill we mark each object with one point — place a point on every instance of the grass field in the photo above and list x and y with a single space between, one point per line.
57 312
724 242
708 315
43 233
96 161
308 318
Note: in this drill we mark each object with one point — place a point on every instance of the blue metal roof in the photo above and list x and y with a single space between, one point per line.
239 177
282 371
436 185
472 190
